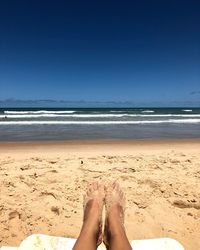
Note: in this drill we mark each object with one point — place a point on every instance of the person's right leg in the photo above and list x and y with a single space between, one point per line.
114 233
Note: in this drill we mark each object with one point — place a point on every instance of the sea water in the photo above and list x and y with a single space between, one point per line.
26 124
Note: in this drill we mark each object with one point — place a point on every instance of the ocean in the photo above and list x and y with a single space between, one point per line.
29 124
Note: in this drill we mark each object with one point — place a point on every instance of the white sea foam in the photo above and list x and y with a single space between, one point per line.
63 115
116 111
32 116
18 116
148 111
187 110
40 112
191 121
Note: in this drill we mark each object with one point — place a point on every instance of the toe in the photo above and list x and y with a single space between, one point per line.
101 187
95 185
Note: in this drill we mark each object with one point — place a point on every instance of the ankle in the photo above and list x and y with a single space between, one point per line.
115 219
115 214
91 219
91 211
91 228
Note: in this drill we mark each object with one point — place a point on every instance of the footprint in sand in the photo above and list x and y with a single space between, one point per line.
50 200
46 193
13 214
56 210
16 227
186 204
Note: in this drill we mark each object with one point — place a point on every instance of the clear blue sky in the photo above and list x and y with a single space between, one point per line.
140 51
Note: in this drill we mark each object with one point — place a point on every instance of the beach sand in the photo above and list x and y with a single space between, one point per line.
42 183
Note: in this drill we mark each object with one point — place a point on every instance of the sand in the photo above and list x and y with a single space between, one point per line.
42 183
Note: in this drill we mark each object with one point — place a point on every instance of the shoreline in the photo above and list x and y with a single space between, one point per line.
94 147
102 141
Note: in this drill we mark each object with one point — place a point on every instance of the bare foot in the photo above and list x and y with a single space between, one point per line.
115 206
93 206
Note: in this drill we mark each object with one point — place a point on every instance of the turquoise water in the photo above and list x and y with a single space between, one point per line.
98 123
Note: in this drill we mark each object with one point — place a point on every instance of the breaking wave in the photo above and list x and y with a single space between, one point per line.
99 122
40 112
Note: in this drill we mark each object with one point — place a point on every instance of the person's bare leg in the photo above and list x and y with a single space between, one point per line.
91 233
114 232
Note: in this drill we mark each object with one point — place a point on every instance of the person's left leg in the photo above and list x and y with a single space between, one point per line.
91 233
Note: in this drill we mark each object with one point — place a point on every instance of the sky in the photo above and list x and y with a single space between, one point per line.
143 52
